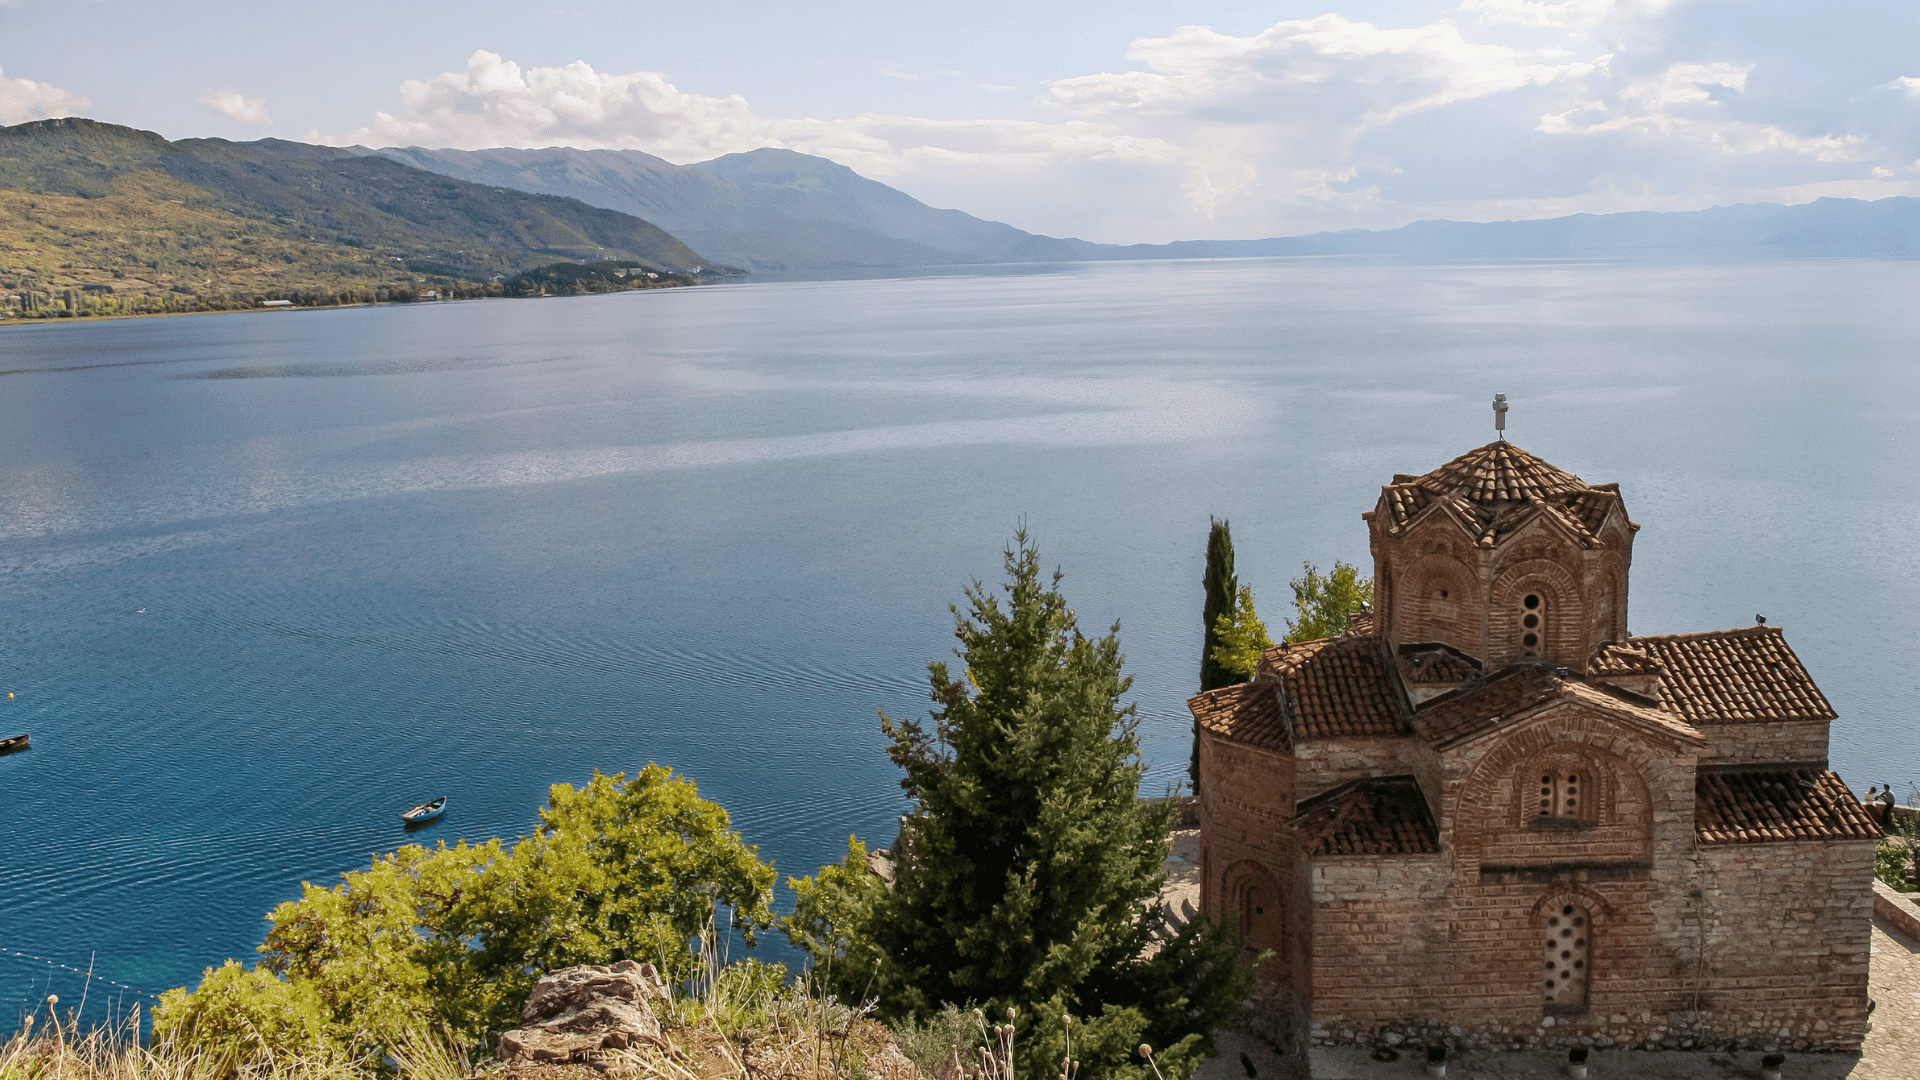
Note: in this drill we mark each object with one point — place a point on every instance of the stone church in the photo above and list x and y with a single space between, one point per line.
1490 813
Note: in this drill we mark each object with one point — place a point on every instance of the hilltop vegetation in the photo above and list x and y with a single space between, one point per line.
101 219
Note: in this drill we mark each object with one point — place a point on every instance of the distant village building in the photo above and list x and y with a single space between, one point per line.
1489 812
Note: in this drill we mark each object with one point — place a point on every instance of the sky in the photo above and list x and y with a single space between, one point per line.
1111 121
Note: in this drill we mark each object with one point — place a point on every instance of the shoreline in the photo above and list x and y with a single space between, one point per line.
7 321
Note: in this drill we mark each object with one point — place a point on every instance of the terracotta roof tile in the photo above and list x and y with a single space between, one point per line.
1496 488
1481 707
1337 686
1745 806
1604 698
1385 815
1741 676
1428 664
1614 658
1246 713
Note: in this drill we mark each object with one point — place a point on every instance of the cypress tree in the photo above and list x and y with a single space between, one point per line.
1027 870
1220 584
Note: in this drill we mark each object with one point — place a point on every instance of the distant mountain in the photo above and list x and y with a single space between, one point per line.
762 210
339 204
781 210
1883 229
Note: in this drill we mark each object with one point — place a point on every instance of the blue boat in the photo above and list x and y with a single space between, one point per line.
425 812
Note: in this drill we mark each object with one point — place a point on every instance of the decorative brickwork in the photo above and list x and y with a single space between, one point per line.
1489 817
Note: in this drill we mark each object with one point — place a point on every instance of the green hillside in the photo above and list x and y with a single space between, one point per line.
97 218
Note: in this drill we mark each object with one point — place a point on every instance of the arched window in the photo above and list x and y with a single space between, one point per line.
1533 624
1564 794
1569 952
1260 925
1253 899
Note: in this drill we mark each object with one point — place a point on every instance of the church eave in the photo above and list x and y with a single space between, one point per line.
1503 715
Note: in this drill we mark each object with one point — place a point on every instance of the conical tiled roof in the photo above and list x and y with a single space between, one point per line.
1494 489
1499 472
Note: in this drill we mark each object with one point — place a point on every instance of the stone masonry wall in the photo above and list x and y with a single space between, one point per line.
1791 740
1323 764
1788 933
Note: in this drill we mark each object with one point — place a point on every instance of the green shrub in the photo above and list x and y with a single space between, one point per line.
246 1017
451 939
1892 862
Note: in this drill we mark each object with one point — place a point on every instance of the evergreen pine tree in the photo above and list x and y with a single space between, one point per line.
1027 870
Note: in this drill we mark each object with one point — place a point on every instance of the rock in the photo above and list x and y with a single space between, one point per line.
575 1013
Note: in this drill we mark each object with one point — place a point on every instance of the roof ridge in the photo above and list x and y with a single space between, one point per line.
1757 628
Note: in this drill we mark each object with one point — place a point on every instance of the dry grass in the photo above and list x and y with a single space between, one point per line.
790 1035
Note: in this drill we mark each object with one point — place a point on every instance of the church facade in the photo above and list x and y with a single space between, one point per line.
1489 813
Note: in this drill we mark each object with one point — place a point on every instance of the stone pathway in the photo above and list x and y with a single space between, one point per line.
1892 1050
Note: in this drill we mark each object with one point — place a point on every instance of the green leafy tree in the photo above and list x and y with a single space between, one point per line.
1242 637
452 938
1027 870
375 951
1327 604
617 870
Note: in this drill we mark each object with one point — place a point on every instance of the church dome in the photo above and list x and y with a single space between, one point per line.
1499 472
1493 489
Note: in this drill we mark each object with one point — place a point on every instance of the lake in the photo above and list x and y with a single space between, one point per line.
267 579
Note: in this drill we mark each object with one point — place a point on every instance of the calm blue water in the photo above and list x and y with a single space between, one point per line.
267 579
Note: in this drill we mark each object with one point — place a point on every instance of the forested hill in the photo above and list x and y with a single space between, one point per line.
110 209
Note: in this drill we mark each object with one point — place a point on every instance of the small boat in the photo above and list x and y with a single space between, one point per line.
425 812
8 746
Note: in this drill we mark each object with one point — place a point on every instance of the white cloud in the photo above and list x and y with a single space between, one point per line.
23 99
1500 108
497 103
237 106
1560 14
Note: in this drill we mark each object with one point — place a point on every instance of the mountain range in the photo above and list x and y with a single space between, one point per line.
99 218
761 210
778 210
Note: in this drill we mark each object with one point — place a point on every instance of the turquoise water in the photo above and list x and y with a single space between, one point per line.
265 580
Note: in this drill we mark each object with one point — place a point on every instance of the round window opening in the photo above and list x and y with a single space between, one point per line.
1532 601
1530 621
1530 640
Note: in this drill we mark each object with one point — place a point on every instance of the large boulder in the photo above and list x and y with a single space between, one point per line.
576 1013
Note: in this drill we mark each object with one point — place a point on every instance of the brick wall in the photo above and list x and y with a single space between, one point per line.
1247 844
1782 963
1760 945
